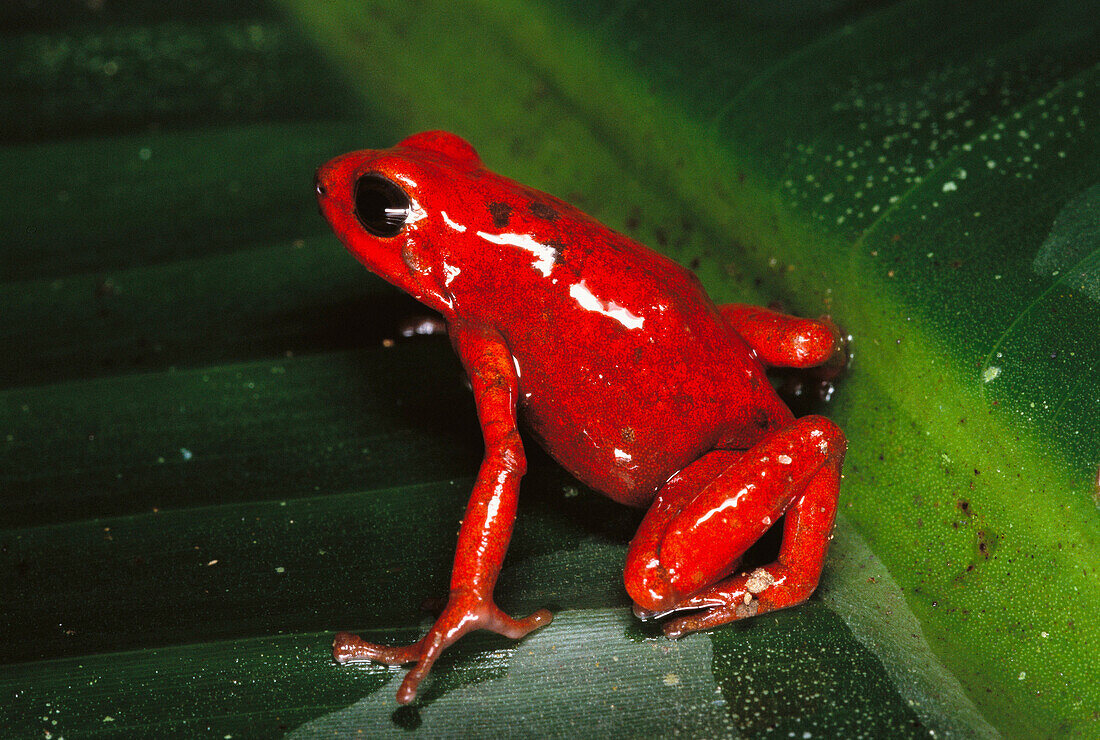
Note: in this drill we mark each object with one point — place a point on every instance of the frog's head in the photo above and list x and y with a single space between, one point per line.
379 201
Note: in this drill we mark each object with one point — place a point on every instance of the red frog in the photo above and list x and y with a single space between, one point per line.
621 367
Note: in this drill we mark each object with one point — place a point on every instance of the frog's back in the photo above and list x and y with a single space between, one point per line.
627 370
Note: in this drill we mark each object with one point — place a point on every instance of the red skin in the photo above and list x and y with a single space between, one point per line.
624 370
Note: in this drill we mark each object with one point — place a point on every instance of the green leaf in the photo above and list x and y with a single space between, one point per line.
213 456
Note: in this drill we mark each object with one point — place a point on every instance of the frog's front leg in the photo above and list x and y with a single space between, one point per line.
780 340
708 514
486 527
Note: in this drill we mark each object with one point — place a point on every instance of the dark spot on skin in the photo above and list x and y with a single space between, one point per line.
760 418
559 250
543 211
627 434
502 213
964 506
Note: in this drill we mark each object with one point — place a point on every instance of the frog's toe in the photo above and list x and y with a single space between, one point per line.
688 605
502 624
349 648
709 619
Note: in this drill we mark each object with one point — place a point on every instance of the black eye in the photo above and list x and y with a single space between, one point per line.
380 206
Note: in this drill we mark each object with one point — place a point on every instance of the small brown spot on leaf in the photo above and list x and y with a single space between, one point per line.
984 544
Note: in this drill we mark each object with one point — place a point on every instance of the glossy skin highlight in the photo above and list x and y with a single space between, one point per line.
621 367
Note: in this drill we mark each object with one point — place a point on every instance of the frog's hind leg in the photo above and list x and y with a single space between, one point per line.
709 514
788 581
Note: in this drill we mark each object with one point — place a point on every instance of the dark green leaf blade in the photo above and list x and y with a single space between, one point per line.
725 141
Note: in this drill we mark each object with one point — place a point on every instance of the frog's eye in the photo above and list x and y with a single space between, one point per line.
381 207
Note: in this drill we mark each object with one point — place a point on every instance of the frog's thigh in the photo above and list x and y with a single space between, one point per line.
644 571
716 508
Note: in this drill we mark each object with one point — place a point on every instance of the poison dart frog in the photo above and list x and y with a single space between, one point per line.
621 367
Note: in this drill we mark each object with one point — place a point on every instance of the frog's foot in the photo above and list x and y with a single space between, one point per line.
780 340
462 615
710 513
746 595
